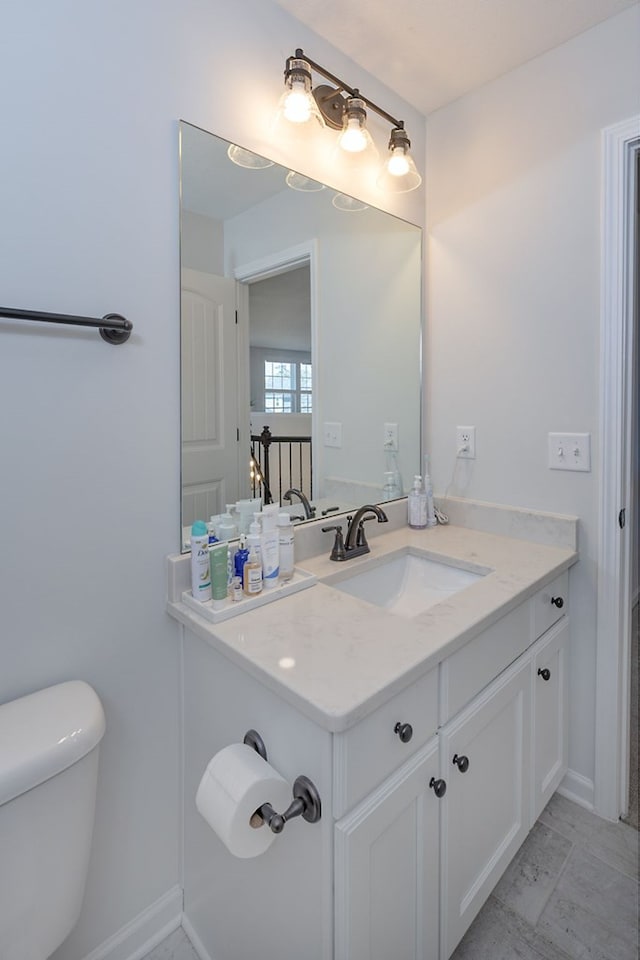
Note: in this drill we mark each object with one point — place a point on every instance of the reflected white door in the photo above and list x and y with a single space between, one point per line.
209 367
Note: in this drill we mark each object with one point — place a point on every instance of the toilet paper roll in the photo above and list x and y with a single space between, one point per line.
236 782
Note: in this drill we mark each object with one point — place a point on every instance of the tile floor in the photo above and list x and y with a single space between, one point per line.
571 893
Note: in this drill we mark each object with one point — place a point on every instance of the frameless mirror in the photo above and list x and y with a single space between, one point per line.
300 339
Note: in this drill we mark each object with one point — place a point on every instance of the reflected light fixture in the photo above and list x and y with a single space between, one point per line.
340 107
247 159
297 181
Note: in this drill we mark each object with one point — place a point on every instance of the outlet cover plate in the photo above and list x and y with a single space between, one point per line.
466 436
570 451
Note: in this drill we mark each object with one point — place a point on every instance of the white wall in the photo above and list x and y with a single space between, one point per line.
513 180
91 93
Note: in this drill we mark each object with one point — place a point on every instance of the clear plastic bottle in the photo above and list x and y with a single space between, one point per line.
428 489
417 505
286 546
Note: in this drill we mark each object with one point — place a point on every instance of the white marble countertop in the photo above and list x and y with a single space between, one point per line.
336 658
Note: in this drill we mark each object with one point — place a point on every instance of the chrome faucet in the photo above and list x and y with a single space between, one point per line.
309 511
355 543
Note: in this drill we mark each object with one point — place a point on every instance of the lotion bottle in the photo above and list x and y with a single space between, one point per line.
269 546
286 546
200 572
219 558
417 505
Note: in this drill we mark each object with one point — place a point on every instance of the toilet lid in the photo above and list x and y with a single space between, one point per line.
45 732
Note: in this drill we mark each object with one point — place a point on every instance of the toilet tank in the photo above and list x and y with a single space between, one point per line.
48 775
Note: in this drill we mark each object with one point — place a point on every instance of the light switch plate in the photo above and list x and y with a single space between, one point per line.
570 451
332 434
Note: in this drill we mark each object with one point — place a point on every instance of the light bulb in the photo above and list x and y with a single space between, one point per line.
397 164
353 138
298 105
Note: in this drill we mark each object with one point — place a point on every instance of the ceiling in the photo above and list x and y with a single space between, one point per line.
433 51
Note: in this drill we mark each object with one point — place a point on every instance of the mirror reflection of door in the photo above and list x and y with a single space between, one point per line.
209 363
281 389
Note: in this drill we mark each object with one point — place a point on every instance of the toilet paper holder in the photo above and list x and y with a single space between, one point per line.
306 799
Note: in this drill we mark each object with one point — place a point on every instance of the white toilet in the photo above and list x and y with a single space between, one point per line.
48 774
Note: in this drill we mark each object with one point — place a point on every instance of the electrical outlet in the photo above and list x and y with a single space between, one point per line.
391 437
332 434
569 451
466 443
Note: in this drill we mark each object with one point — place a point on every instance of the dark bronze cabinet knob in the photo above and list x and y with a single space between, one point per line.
439 787
462 763
404 731
557 602
545 673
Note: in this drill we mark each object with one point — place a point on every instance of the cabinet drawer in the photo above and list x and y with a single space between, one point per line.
544 613
466 672
367 753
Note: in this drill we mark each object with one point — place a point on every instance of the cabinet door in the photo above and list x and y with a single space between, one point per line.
386 861
485 813
549 711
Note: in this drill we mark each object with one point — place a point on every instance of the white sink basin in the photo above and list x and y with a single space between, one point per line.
407 585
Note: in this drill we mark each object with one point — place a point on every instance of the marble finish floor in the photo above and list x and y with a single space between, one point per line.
571 893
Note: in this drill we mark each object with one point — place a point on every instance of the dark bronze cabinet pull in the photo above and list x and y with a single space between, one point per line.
462 763
404 731
545 673
439 787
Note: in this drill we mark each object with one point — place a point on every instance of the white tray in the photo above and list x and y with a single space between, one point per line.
300 580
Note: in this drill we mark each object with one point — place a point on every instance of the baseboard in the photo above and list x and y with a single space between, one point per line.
144 932
578 788
196 942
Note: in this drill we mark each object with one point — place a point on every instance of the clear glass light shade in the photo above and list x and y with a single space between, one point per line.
297 104
399 173
354 137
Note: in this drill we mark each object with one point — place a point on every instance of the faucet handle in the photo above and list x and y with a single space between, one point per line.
338 551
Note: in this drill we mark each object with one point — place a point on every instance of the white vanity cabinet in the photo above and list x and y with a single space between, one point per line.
425 800
412 868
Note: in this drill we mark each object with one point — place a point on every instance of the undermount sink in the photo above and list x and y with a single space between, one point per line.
408 584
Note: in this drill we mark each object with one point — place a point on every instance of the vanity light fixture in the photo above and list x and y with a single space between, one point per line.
340 107
247 159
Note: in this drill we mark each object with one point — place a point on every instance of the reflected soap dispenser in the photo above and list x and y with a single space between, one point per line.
417 505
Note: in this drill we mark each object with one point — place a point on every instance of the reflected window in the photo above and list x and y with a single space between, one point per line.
287 387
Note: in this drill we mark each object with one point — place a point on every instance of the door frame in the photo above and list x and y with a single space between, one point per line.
620 143
270 266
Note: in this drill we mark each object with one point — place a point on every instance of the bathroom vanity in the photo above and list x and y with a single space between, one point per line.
435 740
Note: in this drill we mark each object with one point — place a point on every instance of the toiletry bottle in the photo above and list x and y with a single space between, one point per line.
428 489
269 546
219 555
389 488
286 545
200 572
417 505
227 529
252 571
212 526
240 558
